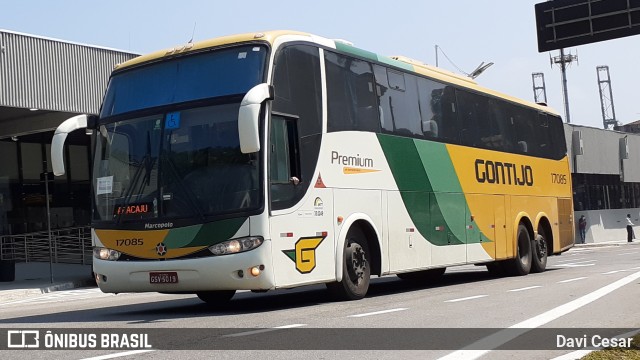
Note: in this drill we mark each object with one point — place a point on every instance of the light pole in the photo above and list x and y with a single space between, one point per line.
474 74
479 70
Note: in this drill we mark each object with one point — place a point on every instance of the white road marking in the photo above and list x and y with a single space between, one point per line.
578 354
260 331
113 356
569 260
570 280
612 272
576 264
617 271
467 298
579 262
525 288
628 253
503 336
379 312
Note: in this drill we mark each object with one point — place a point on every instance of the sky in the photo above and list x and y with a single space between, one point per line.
467 31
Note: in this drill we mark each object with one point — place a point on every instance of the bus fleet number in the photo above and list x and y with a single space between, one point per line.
558 178
129 242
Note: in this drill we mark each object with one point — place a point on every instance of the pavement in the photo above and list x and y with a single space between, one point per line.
36 278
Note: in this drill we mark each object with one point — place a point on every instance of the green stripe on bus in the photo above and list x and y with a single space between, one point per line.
217 231
182 237
355 51
430 190
416 189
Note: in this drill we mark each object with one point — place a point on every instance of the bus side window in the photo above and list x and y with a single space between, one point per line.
283 161
350 94
430 96
398 98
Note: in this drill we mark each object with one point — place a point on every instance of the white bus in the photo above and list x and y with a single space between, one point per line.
280 159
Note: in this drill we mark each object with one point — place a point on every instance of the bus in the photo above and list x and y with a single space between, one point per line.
280 159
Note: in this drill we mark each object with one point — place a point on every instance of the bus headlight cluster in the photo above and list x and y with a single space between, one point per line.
106 254
236 245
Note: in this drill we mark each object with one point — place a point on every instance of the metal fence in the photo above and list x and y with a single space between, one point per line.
68 246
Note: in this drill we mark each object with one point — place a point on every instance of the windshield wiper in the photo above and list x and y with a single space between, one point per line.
147 164
190 196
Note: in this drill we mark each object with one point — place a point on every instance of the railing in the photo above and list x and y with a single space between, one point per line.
68 246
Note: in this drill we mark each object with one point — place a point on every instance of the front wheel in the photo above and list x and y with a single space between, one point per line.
356 268
216 298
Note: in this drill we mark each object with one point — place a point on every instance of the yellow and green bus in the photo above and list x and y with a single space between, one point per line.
273 160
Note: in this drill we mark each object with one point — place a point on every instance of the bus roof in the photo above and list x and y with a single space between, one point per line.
342 45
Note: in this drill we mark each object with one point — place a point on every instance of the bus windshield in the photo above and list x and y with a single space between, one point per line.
167 157
223 72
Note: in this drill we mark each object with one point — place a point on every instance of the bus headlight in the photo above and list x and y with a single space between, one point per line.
106 254
236 245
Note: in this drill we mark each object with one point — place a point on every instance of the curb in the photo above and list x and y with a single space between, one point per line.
17 294
607 243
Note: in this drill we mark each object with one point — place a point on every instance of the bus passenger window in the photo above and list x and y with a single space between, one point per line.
398 98
350 94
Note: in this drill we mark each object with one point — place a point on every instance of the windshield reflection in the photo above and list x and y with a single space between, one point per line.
175 165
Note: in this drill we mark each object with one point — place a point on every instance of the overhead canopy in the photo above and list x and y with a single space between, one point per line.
44 81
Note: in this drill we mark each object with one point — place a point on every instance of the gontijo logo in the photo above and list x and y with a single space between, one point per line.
304 255
353 164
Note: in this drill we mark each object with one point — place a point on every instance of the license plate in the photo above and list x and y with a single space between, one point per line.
170 277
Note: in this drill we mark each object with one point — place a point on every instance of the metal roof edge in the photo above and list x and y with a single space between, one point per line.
66 41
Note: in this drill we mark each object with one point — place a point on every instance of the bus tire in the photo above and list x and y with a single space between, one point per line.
539 252
216 298
521 264
429 275
356 268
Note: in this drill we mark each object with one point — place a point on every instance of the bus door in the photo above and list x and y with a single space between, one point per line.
565 222
404 240
486 234
448 234
301 212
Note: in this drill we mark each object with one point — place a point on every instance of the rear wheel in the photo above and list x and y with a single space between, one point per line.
521 264
539 252
356 268
217 298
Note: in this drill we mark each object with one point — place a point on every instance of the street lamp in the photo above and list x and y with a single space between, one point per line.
479 70
474 74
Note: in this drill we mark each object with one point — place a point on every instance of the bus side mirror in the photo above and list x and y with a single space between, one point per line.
60 136
249 117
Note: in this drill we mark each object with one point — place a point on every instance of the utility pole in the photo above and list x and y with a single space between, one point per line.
539 88
606 97
564 60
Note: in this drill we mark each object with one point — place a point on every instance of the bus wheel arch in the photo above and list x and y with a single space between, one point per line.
357 258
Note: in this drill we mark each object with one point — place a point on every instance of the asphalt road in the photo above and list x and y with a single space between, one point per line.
595 288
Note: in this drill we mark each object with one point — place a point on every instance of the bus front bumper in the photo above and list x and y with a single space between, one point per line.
193 275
